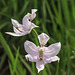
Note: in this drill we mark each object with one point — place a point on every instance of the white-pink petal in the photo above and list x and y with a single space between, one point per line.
33 13
31 48
43 39
55 58
25 20
13 34
52 50
15 23
33 25
39 65
18 34
31 58
51 59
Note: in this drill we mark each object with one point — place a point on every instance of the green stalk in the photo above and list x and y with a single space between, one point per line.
35 32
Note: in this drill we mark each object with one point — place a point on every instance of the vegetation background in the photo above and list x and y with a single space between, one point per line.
54 17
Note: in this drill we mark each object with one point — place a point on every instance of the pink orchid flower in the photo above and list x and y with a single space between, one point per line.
26 27
41 54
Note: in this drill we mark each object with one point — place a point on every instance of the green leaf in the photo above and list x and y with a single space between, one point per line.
6 48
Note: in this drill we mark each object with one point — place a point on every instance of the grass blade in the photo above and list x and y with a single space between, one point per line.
6 48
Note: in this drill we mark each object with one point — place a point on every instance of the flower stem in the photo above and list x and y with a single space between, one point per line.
35 32
37 42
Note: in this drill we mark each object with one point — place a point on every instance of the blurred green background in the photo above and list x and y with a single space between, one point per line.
54 17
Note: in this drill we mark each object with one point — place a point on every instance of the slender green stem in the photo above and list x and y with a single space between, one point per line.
36 39
35 32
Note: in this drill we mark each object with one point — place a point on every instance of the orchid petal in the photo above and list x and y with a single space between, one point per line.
51 59
43 38
25 20
33 25
52 50
13 34
31 48
55 58
40 65
33 13
31 58
17 34
15 23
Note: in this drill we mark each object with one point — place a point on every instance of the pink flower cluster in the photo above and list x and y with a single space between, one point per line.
39 54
